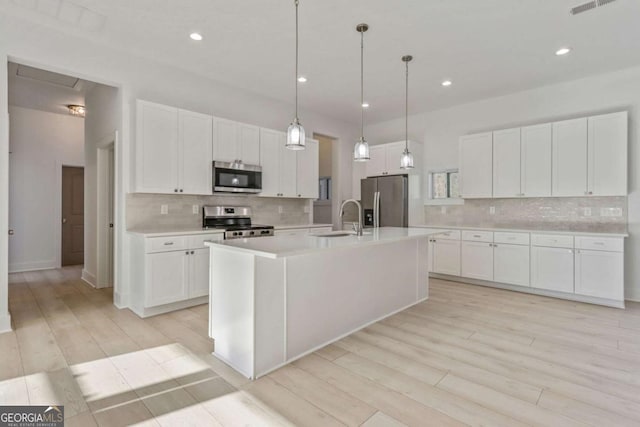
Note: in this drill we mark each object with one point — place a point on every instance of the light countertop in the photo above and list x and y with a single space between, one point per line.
529 230
284 246
164 232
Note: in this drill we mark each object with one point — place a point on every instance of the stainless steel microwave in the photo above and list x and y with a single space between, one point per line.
236 177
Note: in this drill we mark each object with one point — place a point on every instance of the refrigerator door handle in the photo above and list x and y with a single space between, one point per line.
376 207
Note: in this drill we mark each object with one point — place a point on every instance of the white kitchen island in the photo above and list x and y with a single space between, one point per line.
275 299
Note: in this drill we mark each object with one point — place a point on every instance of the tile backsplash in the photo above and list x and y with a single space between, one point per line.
552 213
144 210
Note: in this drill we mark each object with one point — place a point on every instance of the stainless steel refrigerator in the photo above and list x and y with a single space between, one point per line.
385 201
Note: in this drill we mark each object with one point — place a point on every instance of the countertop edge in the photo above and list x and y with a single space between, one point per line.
524 230
195 232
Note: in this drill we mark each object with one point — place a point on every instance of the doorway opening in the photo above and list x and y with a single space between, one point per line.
106 211
72 232
323 206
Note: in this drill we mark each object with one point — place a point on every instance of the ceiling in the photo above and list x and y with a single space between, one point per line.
43 90
487 48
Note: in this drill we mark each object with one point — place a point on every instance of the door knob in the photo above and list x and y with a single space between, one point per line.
11 232
64 220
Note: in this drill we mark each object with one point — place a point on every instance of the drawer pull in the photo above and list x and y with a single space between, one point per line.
477 235
599 243
168 243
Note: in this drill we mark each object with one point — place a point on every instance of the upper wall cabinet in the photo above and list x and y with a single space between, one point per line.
233 141
570 158
385 158
308 170
476 165
173 150
607 155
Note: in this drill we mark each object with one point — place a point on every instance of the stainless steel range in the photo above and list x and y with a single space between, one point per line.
235 221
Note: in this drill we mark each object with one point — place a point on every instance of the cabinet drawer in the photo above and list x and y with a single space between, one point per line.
197 242
610 244
511 238
477 236
165 244
552 240
449 235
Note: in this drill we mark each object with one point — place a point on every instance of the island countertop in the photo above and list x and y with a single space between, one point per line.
284 246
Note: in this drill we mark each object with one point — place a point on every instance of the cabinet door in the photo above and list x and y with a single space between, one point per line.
225 141
249 144
570 158
377 165
535 160
393 156
476 164
199 273
506 163
195 138
607 169
167 278
308 164
156 148
511 264
552 269
288 171
270 142
600 274
446 257
477 260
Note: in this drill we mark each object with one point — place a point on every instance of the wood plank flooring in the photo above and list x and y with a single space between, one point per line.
468 356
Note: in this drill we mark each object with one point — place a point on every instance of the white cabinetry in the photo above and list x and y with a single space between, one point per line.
170 273
552 262
535 161
570 157
235 141
173 150
607 155
308 169
511 258
385 158
506 163
599 268
445 252
288 173
477 260
476 164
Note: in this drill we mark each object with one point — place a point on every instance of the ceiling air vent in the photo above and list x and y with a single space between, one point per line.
589 6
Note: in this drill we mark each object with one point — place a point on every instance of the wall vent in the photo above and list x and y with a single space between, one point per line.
589 6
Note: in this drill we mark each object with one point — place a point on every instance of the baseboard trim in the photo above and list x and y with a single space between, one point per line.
5 323
120 300
89 278
31 266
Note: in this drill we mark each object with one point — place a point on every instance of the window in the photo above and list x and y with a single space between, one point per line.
444 184
325 188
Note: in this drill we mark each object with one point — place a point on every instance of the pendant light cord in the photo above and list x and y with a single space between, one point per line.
406 109
296 80
362 83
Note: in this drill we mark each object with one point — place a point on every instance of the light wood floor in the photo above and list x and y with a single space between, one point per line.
468 356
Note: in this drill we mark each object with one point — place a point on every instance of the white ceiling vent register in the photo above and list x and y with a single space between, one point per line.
589 6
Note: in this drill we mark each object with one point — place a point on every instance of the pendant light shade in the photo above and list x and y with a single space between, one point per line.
361 149
295 132
406 160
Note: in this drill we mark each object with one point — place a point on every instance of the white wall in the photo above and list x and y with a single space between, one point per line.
40 144
5 317
617 91
103 116
36 45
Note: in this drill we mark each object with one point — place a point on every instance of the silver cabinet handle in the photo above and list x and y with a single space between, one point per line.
187 253
168 243
192 252
599 243
181 190
475 235
175 190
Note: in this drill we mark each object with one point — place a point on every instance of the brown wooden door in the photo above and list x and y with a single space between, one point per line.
72 215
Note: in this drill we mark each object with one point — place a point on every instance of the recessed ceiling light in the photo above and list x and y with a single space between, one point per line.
196 36
302 79
447 83
563 51
365 105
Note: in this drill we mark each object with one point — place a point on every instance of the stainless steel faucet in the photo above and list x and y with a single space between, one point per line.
341 213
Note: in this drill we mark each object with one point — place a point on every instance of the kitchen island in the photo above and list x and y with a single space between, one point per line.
276 299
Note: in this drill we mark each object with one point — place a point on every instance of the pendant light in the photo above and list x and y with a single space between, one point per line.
361 149
406 161
295 132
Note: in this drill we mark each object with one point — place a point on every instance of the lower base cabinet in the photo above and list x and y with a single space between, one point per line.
169 273
552 269
477 260
511 264
597 272
445 256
